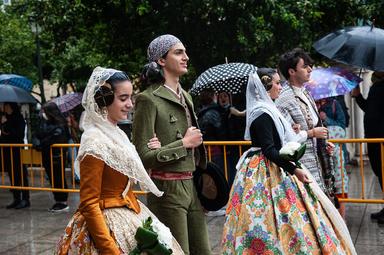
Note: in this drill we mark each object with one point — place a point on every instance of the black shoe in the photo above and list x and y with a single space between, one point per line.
380 220
378 215
59 207
13 204
23 204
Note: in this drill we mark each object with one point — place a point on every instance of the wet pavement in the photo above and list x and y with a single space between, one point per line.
35 230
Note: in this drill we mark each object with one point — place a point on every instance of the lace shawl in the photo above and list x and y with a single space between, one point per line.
106 141
259 102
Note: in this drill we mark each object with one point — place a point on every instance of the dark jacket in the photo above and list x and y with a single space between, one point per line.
13 129
50 133
373 107
264 135
211 123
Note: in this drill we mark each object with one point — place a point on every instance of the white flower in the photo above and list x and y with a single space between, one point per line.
163 232
289 148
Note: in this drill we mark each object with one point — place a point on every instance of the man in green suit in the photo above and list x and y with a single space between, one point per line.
165 110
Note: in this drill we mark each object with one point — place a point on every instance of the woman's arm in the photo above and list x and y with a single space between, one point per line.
236 112
91 172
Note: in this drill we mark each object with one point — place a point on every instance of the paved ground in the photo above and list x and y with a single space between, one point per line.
36 231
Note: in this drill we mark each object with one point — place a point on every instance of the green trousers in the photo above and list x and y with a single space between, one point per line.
180 210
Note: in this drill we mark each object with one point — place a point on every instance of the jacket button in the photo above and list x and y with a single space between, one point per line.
165 157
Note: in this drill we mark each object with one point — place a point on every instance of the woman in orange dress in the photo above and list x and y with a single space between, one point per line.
109 213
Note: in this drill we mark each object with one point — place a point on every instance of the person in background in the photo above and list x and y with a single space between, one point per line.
12 132
332 115
374 126
211 124
224 99
166 110
73 120
54 130
230 119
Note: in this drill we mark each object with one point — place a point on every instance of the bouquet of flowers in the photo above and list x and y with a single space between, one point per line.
153 238
293 151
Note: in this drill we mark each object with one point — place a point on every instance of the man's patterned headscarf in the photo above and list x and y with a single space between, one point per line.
161 45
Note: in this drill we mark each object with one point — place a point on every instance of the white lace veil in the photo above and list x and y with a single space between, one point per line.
259 102
106 141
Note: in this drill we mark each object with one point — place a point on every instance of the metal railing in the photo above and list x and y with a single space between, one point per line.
32 159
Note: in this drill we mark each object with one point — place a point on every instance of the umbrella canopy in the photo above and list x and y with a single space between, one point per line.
229 77
14 94
68 101
358 46
16 80
330 82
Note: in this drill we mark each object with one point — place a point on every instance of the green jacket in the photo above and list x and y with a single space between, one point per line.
157 111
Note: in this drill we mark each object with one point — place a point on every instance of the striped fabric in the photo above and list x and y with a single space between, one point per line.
290 106
17 81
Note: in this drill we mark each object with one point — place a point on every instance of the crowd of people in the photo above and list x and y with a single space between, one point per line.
275 206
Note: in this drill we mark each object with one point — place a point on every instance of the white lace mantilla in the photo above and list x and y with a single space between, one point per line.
106 141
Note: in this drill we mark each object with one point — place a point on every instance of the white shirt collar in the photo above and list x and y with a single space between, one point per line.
298 90
177 92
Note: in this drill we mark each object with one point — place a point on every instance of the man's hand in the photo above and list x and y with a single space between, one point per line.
330 148
320 132
192 138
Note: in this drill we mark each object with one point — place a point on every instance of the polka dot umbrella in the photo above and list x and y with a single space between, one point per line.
229 77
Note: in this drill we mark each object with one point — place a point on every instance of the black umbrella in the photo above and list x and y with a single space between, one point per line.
357 46
229 77
9 93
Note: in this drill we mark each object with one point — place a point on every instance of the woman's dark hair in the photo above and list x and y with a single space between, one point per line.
104 95
266 76
290 59
54 114
116 78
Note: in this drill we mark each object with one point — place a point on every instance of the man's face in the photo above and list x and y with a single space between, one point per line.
302 73
176 60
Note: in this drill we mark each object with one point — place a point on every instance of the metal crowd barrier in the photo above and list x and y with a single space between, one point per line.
32 159
363 197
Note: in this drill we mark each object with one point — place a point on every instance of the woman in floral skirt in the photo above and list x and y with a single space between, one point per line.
276 207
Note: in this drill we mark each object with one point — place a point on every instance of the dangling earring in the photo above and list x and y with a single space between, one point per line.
104 112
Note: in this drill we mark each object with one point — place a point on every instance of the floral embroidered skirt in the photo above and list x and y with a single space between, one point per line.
123 224
270 212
